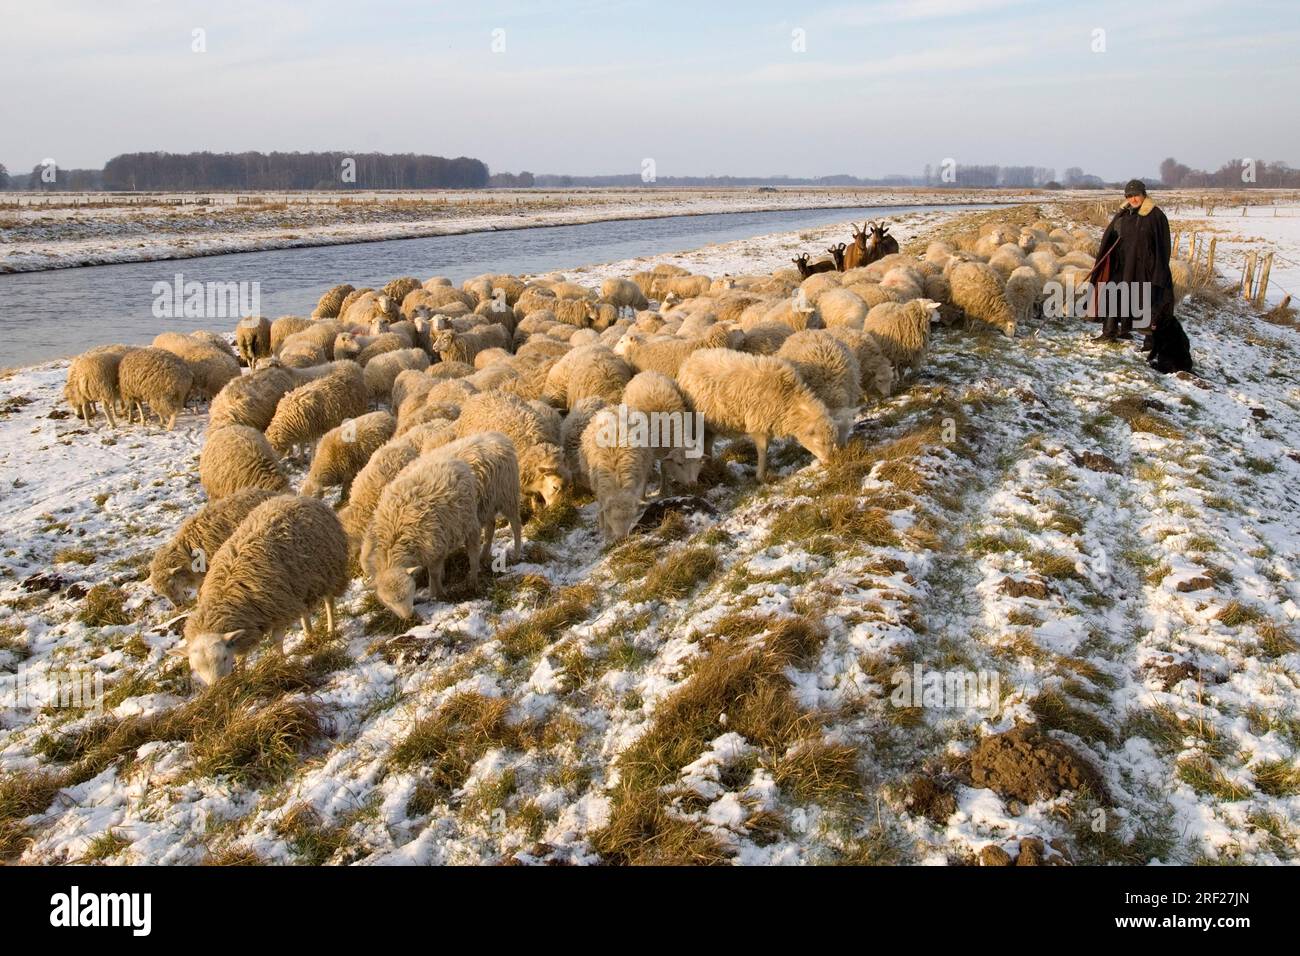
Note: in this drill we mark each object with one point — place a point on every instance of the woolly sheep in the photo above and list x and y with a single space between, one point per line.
658 395
453 346
181 563
623 292
1023 291
344 451
156 377
253 338
571 429
491 457
542 470
977 290
236 457
284 327
877 372
373 346
830 370
410 382
328 306
382 371
384 465
93 379
583 372
902 330
309 411
210 367
251 399
755 395
766 338
287 557
427 514
616 469
842 308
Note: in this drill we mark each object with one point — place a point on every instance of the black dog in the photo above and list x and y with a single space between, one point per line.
1170 350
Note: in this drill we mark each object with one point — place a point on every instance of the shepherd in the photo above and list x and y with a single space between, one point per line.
1135 260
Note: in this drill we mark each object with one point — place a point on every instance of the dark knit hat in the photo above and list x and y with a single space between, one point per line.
1135 187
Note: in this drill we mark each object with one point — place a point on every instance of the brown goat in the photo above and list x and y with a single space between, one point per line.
880 245
857 251
837 253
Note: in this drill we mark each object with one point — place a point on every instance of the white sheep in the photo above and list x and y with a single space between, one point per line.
93 380
381 372
286 558
344 451
583 372
309 411
657 396
491 457
902 330
427 514
1024 291
251 399
842 308
616 469
182 562
978 290
755 395
236 457
542 470
830 369
155 377
253 337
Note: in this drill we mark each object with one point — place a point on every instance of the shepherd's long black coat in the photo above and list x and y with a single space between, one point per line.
1138 240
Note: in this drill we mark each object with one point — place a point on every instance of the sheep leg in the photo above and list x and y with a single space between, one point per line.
108 413
329 615
516 529
277 638
435 580
472 554
760 445
306 624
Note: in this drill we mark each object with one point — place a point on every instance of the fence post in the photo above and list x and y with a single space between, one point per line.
1209 261
1248 275
1263 281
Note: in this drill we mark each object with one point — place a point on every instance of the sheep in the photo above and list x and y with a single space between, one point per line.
1180 272
157 377
491 457
427 514
616 469
328 306
344 451
218 341
236 457
398 289
830 370
311 346
450 370
765 338
795 311
93 378
842 308
903 283
309 411
1007 261
253 339
977 290
181 563
902 330
755 395
870 293
667 354
655 394
1023 292
251 399
288 556
1044 263
284 327
368 308
877 372
210 367
453 346
583 372
571 429
623 293
815 286
384 465
542 470
382 371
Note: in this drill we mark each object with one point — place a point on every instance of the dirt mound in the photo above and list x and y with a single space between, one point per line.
1027 765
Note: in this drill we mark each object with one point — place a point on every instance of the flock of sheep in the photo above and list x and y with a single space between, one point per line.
435 410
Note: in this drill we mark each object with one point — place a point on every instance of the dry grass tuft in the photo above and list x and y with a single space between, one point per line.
678 574
527 637
103 606
448 743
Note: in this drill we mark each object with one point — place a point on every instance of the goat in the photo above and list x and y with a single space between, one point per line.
882 244
806 270
837 253
857 252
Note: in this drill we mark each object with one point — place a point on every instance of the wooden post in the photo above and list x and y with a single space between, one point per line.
1248 275
1263 281
1209 262
1178 241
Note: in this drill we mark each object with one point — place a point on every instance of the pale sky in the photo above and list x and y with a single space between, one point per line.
703 88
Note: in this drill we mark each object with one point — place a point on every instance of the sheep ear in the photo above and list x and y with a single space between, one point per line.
413 570
230 637
178 651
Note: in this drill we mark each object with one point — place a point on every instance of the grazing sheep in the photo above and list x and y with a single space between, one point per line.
93 379
877 372
157 377
253 338
427 514
655 394
977 289
842 308
666 354
796 312
1023 292
309 411
571 429
370 308
398 289
766 338
453 346
237 457
210 367
344 451
251 399
181 563
623 293
542 470
829 368
583 372
616 469
902 330
329 305
384 465
284 327
755 395
382 371
288 556
313 345
491 457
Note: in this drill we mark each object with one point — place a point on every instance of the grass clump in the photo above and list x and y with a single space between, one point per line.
1052 564
527 637
833 523
553 522
1277 778
1200 773
309 837
1235 614
678 574
448 743
1055 712
103 606
1136 412
82 556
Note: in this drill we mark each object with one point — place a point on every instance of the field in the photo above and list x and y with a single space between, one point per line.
1113 552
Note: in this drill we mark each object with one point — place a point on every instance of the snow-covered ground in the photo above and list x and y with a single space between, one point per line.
1262 229
1116 549
37 234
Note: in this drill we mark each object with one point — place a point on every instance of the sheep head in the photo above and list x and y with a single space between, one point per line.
211 655
395 588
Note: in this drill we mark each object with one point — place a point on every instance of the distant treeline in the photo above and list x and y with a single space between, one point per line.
252 170
1233 174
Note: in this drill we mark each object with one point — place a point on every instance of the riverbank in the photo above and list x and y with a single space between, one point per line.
66 235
